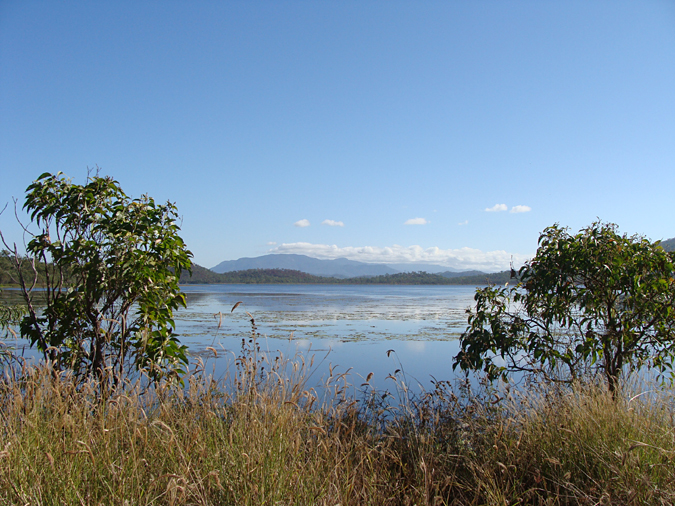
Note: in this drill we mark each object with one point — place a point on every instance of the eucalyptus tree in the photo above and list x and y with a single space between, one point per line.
108 266
588 303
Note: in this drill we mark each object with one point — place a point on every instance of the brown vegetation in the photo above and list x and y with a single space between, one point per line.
261 436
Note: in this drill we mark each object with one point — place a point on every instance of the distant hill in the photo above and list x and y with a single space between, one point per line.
481 279
339 268
430 268
461 274
669 245
200 275
425 278
275 276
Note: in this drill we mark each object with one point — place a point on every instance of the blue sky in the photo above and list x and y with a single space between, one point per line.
390 128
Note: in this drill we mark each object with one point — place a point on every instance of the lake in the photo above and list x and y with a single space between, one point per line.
343 326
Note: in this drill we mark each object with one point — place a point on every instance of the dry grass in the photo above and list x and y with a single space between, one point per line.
263 438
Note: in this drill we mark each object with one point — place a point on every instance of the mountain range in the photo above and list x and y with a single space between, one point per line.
343 268
338 268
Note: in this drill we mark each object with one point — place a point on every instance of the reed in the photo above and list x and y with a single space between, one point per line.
262 436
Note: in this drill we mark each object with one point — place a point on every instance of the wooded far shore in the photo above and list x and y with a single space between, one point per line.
201 275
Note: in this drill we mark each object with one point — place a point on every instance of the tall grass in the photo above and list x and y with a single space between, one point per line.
262 436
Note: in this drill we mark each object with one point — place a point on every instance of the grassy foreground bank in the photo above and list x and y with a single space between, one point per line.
264 438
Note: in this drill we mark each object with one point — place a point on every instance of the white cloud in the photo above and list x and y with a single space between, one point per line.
497 208
521 209
332 223
272 243
416 221
463 258
302 223
465 222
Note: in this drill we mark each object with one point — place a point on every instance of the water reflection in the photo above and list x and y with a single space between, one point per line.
349 328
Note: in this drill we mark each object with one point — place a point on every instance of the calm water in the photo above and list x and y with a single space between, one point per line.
343 327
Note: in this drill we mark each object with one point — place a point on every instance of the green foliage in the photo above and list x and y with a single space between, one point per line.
108 264
10 315
592 302
8 269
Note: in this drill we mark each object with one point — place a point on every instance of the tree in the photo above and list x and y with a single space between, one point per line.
594 302
110 267
10 315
